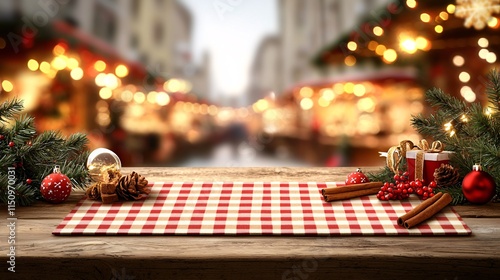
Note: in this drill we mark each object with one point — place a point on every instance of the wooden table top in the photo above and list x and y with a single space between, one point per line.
39 254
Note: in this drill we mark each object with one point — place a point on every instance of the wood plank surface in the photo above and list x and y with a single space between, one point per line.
41 255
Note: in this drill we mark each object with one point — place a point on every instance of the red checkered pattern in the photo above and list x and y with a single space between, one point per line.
250 209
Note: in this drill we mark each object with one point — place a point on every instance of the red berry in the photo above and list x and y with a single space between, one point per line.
425 194
433 184
418 183
430 190
28 181
424 189
2 137
419 192
396 178
431 194
11 144
410 190
406 174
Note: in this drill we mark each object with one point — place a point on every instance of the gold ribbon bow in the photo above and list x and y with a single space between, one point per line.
396 153
423 145
436 146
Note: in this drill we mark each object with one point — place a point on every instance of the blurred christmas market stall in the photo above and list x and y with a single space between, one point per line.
376 74
73 82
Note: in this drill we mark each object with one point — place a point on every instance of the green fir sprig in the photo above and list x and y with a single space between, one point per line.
34 156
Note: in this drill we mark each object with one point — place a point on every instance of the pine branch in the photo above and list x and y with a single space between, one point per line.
446 103
493 89
9 109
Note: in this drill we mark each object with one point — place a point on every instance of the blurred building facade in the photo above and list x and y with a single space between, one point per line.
305 27
156 33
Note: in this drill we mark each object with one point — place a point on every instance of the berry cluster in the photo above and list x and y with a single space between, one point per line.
422 190
398 191
403 188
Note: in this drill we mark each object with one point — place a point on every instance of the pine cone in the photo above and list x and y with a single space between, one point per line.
133 187
446 176
93 191
111 176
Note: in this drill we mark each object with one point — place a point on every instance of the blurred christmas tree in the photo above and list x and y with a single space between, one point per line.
470 130
32 157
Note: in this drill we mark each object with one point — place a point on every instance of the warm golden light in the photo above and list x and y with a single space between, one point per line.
438 28
151 97
350 60
306 92
33 65
45 67
338 88
493 22
483 42
443 15
58 50
100 79
100 66
411 4
58 63
172 85
458 60
306 104
450 9
422 43
425 17
121 71
359 90
259 106
127 96
105 93
483 53
72 63
139 97
378 31
349 87
352 46
380 49
366 104
7 86
408 45
468 94
327 94
372 45
323 102
390 56
76 74
491 57
464 77
162 98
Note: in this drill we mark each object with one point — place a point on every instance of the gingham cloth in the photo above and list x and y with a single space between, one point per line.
275 208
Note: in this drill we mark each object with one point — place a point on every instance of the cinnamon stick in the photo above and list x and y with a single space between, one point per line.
350 188
351 194
425 210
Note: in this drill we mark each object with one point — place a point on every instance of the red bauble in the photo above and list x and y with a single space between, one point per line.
478 186
56 187
11 144
356 178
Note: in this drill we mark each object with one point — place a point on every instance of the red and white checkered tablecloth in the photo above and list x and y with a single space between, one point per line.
258 208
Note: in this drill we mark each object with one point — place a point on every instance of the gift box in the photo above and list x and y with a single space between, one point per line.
431 161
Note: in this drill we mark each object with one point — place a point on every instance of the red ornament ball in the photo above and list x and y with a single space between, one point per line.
11 144
478 186
357 177
56 187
